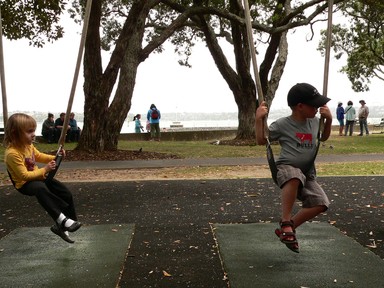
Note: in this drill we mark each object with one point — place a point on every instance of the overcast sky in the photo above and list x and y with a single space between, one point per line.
41 79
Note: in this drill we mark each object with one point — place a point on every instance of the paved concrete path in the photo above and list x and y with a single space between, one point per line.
229 161
137 164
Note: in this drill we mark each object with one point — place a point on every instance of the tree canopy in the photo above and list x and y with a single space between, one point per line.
35 20
362 41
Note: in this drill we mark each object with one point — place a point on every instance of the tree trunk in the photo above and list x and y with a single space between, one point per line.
103 121
121 103
240 81
246 117
93 106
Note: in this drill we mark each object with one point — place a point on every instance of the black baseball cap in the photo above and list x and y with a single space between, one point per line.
306 94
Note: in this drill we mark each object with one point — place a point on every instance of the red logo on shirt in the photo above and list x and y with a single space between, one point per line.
304 137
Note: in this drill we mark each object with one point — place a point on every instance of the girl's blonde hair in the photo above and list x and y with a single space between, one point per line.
16 126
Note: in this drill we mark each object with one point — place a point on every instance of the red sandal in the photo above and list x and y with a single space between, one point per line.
288 238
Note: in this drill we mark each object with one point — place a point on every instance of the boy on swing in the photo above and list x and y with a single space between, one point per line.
296 174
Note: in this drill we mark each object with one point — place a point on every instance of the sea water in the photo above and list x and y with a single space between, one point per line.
129 126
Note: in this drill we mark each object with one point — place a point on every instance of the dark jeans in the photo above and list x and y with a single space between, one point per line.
155 131
58 135
53 196
74 135
363 126
349 126
49 135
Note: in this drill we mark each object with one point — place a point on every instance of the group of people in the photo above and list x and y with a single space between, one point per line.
51 129
153 123
349 115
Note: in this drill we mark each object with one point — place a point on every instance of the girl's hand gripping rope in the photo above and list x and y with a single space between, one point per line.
51 165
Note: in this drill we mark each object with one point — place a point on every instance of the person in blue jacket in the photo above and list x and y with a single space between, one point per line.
340 117
154 116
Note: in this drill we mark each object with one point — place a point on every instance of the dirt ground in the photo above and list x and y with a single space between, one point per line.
228 172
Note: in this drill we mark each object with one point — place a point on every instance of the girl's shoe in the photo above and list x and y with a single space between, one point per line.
57 230
75 226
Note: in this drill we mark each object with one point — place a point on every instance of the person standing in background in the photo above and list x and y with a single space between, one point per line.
340 117
350 116
363 116
138 126
153 116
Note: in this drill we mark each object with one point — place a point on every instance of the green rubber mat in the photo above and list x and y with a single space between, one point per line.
35 257
253 256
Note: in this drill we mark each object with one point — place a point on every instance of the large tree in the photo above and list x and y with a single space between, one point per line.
183 21
116 25
132 29
362 41
126 23
271 20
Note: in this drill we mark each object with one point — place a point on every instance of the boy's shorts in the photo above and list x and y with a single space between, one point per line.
310 192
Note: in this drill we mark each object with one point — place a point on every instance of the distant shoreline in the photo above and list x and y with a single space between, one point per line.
200 125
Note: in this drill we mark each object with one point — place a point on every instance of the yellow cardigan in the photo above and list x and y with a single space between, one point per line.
22 164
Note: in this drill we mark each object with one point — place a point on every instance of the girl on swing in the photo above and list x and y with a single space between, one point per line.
20 158
296 174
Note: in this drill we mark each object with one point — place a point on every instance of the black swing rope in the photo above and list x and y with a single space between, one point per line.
270 157
326 69
2 75
73 89
77 69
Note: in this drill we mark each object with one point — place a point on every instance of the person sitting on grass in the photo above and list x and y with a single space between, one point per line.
20 159
296 174
48 129
75 131
59 122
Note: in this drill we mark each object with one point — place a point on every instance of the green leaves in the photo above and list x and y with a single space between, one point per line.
35 20
362 41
